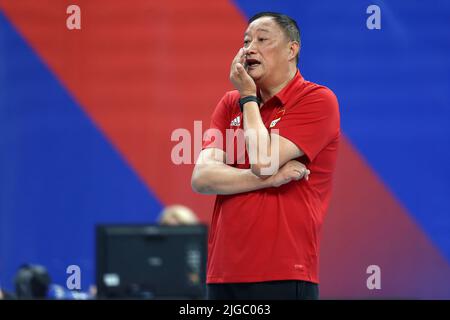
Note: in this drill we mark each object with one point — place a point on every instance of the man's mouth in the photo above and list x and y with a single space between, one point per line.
252 63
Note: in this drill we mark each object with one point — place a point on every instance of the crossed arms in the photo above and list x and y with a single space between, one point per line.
212 175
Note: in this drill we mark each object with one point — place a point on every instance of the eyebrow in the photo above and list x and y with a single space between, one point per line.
259 29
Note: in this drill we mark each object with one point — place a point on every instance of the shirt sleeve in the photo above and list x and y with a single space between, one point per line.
220 121
312 123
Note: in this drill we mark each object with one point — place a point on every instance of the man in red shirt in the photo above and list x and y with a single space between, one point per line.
265 230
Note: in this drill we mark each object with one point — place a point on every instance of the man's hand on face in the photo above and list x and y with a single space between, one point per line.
291 171
239 76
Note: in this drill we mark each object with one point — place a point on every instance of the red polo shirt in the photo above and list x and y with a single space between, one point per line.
274 233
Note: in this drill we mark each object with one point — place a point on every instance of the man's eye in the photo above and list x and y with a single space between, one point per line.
262 39
246 42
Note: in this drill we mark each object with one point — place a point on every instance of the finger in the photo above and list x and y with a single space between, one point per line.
242 58
307 175
237 70
304 173
240 67
298 174
238 56
242 71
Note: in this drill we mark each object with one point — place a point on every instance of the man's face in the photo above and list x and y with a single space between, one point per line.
266 48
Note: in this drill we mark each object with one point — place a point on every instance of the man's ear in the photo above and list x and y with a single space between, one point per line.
294 48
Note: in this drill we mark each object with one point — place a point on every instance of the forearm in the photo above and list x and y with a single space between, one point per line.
219 178
258 141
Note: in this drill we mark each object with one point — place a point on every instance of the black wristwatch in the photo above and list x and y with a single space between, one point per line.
246 99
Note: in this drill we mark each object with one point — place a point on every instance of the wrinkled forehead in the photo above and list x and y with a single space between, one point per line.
264 25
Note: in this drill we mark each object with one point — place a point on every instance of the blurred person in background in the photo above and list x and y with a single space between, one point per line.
177 215
32 282
5 295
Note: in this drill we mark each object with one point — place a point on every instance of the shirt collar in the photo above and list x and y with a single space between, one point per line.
286 92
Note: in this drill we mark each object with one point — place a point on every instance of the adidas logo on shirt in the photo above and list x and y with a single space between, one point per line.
236 122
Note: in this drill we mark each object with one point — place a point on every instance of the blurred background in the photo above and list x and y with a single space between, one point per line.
86 118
